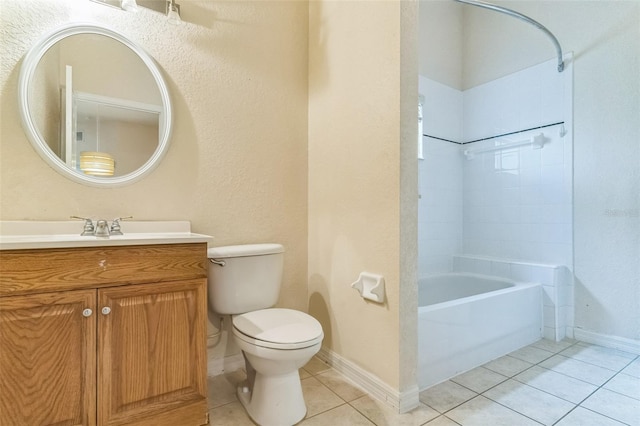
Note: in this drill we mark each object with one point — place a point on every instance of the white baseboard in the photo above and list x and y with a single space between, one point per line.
373 385
621 343
217 366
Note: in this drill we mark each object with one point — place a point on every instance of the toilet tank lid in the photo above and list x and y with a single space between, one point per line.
244 250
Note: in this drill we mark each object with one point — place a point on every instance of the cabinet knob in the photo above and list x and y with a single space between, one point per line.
87 312
106 310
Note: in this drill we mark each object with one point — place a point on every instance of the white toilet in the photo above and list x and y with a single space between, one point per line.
244 281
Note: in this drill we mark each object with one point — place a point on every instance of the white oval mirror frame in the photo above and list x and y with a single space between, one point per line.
30 62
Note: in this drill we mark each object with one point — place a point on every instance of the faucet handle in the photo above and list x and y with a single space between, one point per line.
115 225
89 229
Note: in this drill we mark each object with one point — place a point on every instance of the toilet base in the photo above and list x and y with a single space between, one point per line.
274 400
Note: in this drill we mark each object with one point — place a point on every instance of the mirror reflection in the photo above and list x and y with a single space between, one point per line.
96 105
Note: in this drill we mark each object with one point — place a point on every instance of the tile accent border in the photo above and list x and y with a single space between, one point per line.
373 385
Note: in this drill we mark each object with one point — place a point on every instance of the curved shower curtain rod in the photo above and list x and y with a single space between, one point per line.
523 18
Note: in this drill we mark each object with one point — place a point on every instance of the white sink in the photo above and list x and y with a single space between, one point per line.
64 234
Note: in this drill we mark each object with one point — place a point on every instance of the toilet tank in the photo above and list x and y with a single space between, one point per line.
249 280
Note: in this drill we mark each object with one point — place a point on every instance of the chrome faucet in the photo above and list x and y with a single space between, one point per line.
101 228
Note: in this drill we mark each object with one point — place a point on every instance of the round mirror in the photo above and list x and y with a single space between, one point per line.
94 105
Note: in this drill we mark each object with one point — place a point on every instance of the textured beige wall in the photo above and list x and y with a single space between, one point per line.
237 165
241 83
356 98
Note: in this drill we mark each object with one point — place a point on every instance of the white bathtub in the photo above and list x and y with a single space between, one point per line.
466 320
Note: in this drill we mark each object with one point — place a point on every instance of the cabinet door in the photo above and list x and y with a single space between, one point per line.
152 365
48 359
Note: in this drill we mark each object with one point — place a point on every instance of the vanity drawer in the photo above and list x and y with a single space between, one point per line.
45 270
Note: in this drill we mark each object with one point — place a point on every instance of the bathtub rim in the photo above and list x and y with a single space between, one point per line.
513 286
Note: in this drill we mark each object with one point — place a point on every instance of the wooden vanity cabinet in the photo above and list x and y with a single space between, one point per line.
48 359
152 354
104 336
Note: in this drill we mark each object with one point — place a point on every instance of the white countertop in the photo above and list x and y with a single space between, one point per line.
17 235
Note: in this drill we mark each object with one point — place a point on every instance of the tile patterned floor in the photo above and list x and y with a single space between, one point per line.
568 383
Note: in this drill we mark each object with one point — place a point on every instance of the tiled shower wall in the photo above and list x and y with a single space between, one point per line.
517 202
512 204
440 179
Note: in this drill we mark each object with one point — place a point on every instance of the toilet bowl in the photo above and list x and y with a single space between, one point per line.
244 281
275 344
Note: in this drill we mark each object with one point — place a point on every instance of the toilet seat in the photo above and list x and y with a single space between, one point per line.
278 328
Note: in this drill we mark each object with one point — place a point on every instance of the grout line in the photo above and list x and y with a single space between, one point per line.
566 414
611 390
512 377
585 362
477 394
361 413
454 407
515 411
344 402
451 420
499 403
575 404
596 365
595 412
322 412
437 417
